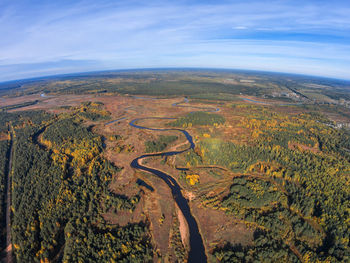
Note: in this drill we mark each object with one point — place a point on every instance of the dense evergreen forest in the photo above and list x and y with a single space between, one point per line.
60 190
293 188
198 118
3 171
93 111
160 144
6 120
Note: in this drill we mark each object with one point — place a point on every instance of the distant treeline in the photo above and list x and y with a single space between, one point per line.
198 118
20 105
212 84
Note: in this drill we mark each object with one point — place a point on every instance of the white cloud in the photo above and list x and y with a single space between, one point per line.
120 34
240 27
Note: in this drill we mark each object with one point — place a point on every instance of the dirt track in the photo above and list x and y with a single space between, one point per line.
8 250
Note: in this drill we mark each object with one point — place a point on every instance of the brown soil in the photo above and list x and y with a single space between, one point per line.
183 228
3 136
218 228
303 147
19 100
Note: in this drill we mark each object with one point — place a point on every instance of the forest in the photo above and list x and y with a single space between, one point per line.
160 144
93 111
3 171
61 191
198 118
293 187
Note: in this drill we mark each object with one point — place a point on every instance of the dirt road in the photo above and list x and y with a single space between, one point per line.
8 251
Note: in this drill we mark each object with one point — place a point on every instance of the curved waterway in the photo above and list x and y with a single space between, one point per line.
197 250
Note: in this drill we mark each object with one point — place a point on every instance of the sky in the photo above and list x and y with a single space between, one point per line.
39 38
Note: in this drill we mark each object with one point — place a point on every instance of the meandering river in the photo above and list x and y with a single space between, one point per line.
197 250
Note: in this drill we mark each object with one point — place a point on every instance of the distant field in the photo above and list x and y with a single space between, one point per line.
204 84
20 105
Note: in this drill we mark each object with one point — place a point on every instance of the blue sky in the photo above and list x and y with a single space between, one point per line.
52 37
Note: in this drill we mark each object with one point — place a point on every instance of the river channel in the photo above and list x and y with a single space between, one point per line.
197 249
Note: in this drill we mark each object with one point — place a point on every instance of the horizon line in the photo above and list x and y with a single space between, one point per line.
43 77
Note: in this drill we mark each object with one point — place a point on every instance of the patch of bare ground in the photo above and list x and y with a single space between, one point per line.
231 130
303 147
183 227
288 110
180 146
116 104
124 217
19 100
218 228
337 117
159 208
50 104
255 100
188 195
4 136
